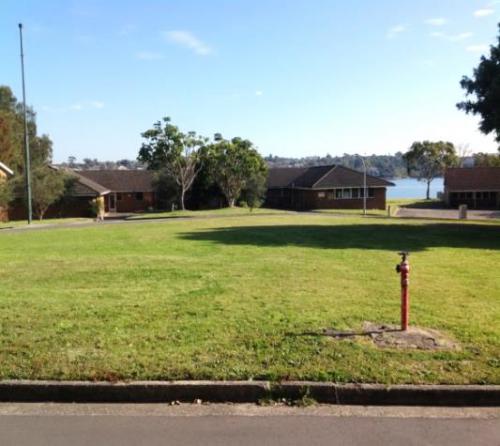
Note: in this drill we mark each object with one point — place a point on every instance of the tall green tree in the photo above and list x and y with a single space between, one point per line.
12 134
484 89
48 186
234 164
428 160
178 153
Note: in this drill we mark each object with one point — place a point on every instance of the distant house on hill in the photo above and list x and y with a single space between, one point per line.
476 187
323 187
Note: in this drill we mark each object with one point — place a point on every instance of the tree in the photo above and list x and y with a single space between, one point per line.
484 86
486 160
12 134
255 190
178 153
47 186
5 193
232 164
428 160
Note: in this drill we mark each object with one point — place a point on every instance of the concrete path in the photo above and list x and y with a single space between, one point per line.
446 213
124 425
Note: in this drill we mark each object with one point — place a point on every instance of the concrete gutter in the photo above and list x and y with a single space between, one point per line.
247 392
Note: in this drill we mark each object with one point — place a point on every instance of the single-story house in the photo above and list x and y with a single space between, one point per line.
476 187
124 190
5 173
323 187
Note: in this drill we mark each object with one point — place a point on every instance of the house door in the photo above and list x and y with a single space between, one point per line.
112 202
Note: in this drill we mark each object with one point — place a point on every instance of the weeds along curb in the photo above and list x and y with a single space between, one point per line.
247 392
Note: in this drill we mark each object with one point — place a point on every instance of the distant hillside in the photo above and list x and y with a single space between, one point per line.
387 166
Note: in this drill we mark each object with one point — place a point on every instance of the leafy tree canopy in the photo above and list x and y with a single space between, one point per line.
484 87
234 164
429 160
178 153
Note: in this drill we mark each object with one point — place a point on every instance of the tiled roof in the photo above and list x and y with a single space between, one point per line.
321 177
121 180
85 187
472 178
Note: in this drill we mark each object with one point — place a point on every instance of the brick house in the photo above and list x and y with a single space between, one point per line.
5 173
476 187
323 187
123 190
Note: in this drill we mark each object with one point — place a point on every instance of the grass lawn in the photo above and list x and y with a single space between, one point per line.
208 213
47 221
238 298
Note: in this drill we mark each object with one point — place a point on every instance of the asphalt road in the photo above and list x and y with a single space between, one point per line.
124 425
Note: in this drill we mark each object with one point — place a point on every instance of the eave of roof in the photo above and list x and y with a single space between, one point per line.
6 169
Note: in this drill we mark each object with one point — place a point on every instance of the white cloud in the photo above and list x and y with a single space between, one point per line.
439 21
395 30
148 55
452 37
188 40
76 107
259 93
484 12
480 48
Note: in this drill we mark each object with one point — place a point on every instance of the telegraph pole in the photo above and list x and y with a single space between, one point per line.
27 166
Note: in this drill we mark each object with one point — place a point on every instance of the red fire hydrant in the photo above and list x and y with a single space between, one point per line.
403 268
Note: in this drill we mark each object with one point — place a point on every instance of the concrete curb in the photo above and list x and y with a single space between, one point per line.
247 392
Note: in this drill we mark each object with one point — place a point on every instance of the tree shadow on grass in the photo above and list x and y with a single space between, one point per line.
393 237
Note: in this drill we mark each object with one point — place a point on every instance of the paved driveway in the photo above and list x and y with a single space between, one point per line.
446 213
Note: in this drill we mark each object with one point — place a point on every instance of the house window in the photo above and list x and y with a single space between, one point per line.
321 195
355 193
371 192
338 193
139 196
118 197
346 193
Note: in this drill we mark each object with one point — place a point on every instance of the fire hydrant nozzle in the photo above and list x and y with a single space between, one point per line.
403 268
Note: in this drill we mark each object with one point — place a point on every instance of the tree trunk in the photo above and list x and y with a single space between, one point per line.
230 202
183 208
428 194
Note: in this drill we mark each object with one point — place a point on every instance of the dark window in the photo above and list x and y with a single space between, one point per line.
469 195
139 196
355 193
119 197
371 192
338 193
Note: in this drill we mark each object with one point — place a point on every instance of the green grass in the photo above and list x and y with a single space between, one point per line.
235 211
48 221
238 298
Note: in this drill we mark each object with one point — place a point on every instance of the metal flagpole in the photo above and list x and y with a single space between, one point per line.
27 167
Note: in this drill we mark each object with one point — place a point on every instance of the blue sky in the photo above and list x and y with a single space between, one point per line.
297 78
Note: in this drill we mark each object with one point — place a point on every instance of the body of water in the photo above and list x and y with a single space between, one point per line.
412 188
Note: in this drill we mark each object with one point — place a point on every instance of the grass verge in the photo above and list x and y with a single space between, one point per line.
243 298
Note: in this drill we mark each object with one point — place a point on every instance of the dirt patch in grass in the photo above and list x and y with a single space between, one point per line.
391 336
